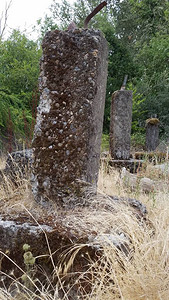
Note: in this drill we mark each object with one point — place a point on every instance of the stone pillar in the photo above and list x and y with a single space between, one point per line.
152 134
120 124
68 129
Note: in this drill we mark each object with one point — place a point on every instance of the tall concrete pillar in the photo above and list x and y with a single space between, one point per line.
68 129
120 124
152 134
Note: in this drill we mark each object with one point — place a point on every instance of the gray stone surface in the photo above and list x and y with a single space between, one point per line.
58 231
133 182
139 208
129 180
152 135
67 134
147 185
163 168
120 124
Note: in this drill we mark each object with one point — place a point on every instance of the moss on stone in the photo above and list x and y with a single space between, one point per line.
152 121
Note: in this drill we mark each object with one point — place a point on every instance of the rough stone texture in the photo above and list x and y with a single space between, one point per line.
83 226
147 185
15 231
152 134
68 131
120 124
163 147
129 180
133 182
139 208
162 169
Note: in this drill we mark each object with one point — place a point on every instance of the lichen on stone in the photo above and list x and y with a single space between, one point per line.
152 121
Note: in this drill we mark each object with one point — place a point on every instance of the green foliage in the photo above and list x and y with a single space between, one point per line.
138 21
60 18
45 25
105 142
143 26
19 71
120 63
10 111
18 63
154 61
138 36
138 114
138 140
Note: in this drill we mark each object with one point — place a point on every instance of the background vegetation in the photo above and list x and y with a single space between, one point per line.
138 37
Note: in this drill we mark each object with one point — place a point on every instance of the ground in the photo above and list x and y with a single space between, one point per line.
143 274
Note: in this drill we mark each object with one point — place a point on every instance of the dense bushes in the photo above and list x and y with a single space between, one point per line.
19 70
138 36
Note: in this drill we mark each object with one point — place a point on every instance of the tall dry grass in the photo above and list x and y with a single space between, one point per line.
142 274
146 275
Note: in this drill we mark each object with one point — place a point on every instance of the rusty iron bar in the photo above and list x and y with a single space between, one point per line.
93 13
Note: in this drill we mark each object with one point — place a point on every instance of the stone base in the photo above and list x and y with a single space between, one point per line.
53 235
58 231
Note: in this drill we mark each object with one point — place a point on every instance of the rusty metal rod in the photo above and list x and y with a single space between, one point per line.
93 13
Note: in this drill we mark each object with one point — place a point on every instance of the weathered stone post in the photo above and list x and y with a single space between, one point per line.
152 134
120 124
68 130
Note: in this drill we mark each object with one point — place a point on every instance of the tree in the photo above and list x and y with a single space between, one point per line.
154 60
143 27
137 34
120 63
19 71
3 19
137 21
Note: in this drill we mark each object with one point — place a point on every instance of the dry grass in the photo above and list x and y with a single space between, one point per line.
2 162
15 198
146 275
143 274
